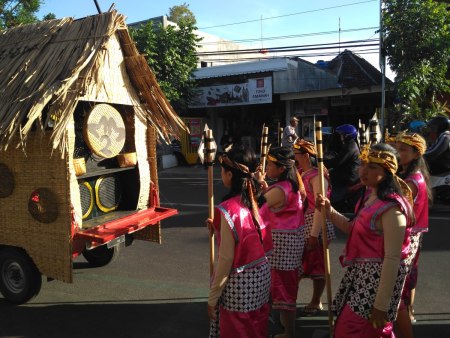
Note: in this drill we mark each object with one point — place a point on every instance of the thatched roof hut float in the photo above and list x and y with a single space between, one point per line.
80 115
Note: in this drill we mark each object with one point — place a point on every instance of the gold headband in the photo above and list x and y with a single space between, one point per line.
385 158
388 161
414 140
289 163
305 146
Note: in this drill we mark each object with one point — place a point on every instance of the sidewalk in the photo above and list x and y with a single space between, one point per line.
196 171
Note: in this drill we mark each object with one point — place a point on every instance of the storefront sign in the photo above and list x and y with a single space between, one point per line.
254 91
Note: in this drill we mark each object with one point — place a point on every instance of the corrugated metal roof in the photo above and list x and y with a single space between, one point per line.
240 68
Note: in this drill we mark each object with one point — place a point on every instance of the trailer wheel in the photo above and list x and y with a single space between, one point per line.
102 255
20 280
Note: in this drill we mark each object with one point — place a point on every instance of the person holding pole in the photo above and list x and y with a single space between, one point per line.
414 171
376 251
283 213
313 257
238 302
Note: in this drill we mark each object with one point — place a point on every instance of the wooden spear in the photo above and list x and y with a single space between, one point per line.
210 152
264 148
326 251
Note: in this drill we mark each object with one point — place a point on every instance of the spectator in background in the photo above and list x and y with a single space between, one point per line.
344 164
226 141
290 133
176 149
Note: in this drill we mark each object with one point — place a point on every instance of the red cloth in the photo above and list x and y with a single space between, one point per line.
284 289
252 324
313 263
350 325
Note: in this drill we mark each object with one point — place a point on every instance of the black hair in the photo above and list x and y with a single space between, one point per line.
286 158
240 180
419 164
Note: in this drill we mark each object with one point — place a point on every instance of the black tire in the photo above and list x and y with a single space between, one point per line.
102 255
20 280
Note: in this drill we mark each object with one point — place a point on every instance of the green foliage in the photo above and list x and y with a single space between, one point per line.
417 46
171 53
181 13
17 12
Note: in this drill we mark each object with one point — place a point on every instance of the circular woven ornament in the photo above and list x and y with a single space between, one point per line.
42 205
6 181
104 131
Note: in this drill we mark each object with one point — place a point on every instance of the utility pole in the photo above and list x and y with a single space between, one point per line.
382 61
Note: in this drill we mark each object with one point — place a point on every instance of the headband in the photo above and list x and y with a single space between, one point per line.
414 140
228 163
385 158
388 161
305 146
288 163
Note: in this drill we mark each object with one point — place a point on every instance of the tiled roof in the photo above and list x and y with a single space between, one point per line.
354 71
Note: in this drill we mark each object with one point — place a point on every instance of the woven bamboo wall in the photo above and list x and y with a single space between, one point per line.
115 84
48 244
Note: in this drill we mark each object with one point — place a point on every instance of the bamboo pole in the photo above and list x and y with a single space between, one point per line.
326 251
264 148
209 158
280 135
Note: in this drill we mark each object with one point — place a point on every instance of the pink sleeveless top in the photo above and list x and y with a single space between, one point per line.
290 215
307 176
420 202
366 243
249 250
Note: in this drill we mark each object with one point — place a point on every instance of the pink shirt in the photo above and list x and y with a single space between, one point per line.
365 242
307 176
290 215
249 251
420 202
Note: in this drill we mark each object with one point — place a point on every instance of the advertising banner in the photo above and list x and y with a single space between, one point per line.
254 91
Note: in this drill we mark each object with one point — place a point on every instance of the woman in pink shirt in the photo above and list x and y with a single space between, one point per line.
377 248
414 171
283 213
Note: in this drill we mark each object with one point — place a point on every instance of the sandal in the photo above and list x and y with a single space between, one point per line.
309 311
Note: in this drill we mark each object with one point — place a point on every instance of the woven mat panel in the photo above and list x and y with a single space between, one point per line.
152 233
48 244
142 162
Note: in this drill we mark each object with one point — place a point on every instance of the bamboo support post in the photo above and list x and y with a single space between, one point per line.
326 251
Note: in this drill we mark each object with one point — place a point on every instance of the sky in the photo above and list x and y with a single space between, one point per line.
257 23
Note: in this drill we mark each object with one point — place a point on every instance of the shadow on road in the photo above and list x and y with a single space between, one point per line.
144 319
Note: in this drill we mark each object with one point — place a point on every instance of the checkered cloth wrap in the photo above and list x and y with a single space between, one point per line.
309 219
287 249
246 291
359 287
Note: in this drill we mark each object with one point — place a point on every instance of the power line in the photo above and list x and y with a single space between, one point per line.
287 36
292 14
346 44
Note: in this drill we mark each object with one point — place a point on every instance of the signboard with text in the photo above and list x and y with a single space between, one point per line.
254 91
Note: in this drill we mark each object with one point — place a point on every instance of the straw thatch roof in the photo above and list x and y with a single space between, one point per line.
45 67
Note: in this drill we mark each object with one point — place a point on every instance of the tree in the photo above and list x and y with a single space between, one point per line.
417 46
171 53
16 12
181 13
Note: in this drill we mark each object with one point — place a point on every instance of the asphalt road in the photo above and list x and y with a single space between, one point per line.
160 290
